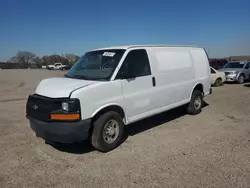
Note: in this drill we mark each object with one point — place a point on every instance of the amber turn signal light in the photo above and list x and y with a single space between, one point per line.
67 117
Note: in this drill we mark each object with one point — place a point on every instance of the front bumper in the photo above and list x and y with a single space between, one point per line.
231 78
61 132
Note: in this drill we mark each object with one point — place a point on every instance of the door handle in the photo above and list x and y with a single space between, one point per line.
153 81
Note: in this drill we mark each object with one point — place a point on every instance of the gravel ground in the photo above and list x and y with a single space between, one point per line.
172 149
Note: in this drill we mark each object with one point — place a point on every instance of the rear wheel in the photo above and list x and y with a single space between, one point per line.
108 132
196 103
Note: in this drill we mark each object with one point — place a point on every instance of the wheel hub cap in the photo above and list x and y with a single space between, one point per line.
111 131
197 103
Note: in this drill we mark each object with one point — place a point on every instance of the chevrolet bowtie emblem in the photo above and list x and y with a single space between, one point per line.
35 107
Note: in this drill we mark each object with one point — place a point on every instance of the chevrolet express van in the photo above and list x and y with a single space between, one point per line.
109 88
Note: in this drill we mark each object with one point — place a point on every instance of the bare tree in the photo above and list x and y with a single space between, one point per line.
13 60
70 57
25 57
38 61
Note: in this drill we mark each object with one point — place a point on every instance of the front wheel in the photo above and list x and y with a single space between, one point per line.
218 82
196 103
108 132
241 79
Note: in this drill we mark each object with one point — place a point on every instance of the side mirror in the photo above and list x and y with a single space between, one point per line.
124 74
127 75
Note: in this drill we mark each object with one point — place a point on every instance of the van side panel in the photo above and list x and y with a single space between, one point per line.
174 73
202 68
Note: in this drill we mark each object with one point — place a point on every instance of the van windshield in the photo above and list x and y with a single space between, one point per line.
96 65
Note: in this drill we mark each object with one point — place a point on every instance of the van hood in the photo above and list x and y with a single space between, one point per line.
61 87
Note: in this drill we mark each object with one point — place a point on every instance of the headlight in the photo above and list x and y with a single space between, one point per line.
67 110
65 106
233 72
72 105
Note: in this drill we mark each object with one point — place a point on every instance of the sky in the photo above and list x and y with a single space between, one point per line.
58 26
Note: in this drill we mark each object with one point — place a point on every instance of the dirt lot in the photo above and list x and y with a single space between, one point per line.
211 149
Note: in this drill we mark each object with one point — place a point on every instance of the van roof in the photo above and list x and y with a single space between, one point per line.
138 46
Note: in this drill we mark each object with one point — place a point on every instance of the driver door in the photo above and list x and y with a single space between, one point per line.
137 85
247 70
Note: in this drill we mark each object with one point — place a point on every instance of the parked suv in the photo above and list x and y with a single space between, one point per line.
237 71
109 88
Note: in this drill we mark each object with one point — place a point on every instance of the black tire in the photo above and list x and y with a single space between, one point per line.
97 139
241 79
218 82
192 108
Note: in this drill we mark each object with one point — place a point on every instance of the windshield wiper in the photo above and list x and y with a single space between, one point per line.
85 77
81 77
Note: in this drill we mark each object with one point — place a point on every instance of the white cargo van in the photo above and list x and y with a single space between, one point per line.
109 88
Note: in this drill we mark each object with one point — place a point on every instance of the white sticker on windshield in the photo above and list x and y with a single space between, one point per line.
109 54
242 63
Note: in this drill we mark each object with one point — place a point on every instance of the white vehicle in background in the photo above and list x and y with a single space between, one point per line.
56 66
217 77
44 67
109 88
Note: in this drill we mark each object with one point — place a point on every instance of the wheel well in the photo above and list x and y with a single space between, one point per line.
114 108
198 87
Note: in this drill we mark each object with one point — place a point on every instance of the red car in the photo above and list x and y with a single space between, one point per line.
217 63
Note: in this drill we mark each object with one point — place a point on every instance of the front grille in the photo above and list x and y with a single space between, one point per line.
39 107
